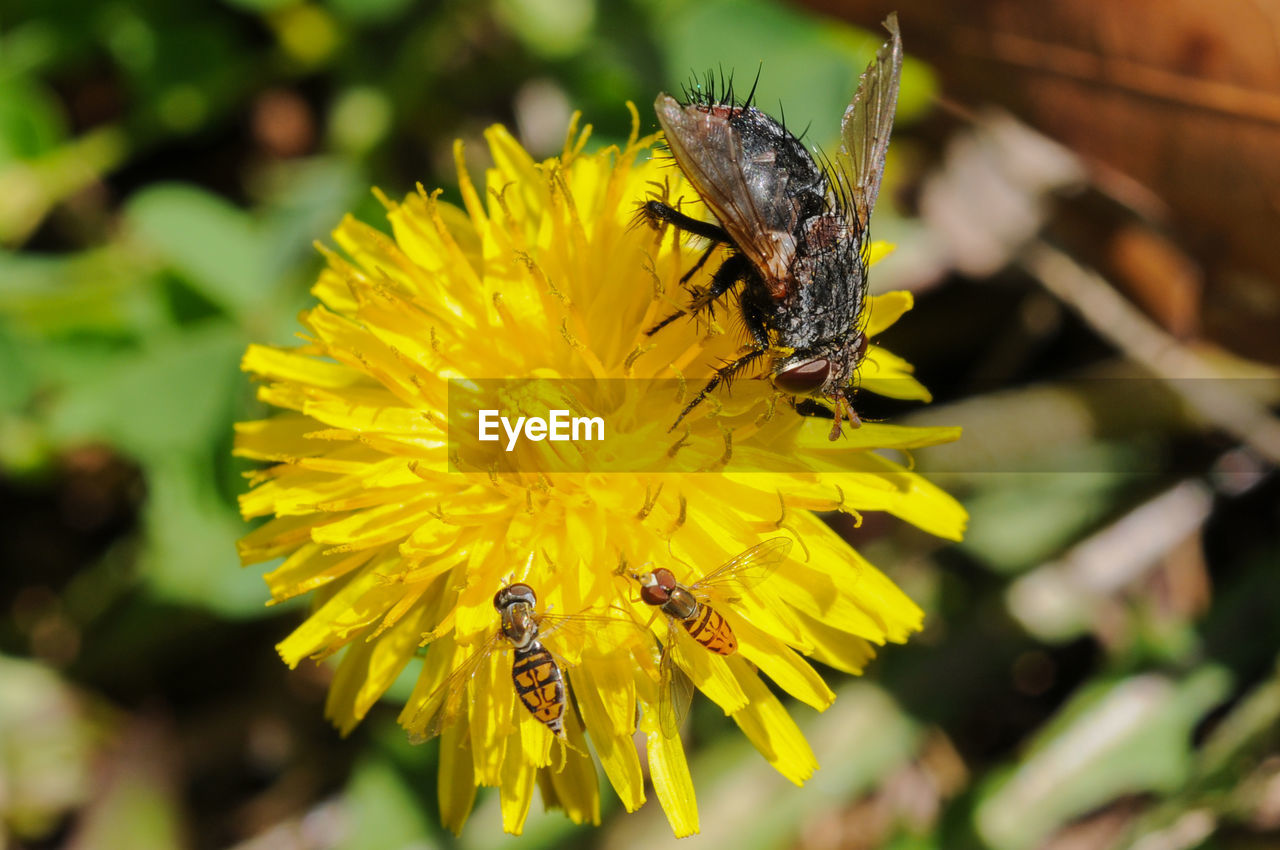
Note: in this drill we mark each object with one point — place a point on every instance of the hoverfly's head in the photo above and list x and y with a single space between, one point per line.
656 587
513 593
820 373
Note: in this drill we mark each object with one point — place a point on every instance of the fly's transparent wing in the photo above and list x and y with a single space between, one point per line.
868 122
446 702
748 568
675 688
748 194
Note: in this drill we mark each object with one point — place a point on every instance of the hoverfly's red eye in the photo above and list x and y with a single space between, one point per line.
656 587
804 378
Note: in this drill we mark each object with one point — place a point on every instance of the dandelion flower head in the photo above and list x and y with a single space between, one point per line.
402 532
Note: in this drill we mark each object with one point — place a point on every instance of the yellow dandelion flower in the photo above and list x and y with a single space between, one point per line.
403 529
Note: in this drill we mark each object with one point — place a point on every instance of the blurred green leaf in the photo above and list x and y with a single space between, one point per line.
208 240
33 187
306 199
31 122
367 11
1126 737
553 28
1251 722
105 289
383 814
260 7
174 396
861 739
809 65
1017 521
190 555
16 366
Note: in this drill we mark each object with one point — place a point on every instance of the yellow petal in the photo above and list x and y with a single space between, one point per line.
456 788
837 649
709 673
493 700
577 788
672 783
884 309
616 751
515 790
769 727
887 374
310 567
535 738
359 604
278 364
275 538
368 668
878 250
783 665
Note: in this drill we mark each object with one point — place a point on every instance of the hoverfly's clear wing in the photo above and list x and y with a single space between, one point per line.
864 133
748 193
748 568
587 625
675 688
446 702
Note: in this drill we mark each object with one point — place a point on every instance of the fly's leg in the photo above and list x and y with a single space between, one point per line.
731 272
658 212
702 261
724 374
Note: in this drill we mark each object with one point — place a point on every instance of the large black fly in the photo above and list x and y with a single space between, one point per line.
797 233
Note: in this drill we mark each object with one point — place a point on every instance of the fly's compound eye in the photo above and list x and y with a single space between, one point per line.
512 594
804 378
656 587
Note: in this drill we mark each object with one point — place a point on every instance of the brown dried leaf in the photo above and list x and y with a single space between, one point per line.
1180 95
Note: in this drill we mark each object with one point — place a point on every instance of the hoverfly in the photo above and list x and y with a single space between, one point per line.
797 233
536 673
689 606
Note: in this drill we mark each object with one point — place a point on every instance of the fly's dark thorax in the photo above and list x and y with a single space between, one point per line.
539 684
682 605
767 149
826 275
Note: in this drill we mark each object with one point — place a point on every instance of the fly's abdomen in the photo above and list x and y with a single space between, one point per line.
540 685
711 630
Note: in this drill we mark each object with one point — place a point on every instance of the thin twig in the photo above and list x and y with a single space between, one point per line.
1145 343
